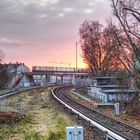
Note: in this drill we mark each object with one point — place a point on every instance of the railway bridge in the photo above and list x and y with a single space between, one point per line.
42 75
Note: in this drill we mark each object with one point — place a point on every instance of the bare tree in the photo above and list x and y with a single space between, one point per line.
1 57
3 73
99 47
128 15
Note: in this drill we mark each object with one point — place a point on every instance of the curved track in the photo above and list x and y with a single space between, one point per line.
116 130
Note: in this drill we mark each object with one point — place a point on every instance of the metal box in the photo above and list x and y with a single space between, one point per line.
74 133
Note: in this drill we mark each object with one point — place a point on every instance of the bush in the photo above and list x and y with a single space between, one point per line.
34 136
59 133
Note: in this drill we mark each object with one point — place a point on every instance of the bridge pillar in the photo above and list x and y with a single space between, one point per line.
47 78
61 79
42 80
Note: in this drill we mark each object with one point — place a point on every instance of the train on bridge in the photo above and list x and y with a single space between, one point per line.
59 69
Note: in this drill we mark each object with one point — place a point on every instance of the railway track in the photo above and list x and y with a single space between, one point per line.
20 90
116 130
6 95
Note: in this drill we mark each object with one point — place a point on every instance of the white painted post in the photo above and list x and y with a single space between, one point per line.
116 108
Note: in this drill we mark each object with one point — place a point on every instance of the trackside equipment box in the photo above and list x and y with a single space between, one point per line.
74 133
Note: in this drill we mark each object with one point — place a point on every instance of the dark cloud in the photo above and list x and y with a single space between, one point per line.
30 18
35 22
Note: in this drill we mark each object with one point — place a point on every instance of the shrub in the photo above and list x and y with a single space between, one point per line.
34 136
59 132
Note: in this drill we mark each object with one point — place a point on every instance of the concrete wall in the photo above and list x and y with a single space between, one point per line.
96 93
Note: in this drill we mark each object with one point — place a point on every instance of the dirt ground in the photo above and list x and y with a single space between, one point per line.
131 120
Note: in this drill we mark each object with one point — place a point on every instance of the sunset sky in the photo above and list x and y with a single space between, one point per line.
39 32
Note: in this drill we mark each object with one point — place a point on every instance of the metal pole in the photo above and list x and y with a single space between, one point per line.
76 59
76 68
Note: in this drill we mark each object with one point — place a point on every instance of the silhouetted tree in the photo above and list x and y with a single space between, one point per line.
3 73
128 15
1 57
100 49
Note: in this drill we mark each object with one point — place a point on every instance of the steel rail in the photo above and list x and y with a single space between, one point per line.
18 91
96 118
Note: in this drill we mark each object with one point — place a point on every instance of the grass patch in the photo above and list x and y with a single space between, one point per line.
56 133
6 130
59 133
41 120
34 136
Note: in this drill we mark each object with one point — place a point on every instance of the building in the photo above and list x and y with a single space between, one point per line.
106 89
18 78
15 67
